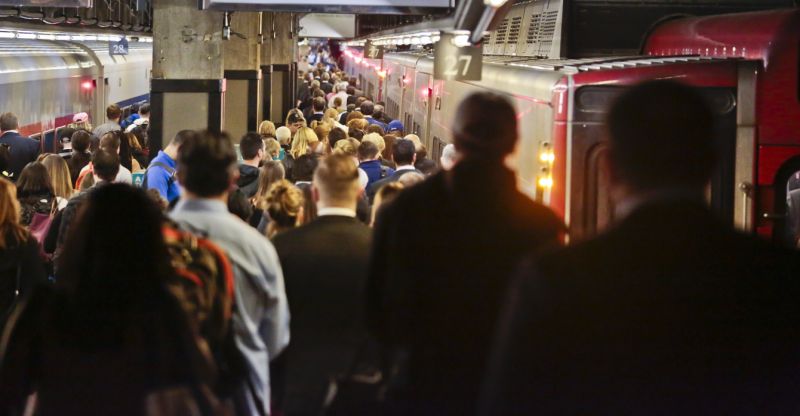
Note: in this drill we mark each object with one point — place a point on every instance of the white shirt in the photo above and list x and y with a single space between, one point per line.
344 212
343 96
404 167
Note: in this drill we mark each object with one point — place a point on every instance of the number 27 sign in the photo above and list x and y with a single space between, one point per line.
453 62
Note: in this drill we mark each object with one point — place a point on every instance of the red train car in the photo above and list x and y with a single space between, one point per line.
771 40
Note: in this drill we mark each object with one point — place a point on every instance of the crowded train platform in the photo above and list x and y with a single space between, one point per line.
429 210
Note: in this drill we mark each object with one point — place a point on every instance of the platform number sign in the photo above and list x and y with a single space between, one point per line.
119 47
373 51
453 62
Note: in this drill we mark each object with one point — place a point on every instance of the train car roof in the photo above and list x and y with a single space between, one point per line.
755 35
32 60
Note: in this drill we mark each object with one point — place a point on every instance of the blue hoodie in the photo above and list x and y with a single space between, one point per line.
373 169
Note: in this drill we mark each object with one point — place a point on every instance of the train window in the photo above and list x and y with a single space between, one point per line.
722 101
596 99
601 207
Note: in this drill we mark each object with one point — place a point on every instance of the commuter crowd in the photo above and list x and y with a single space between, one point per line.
329 266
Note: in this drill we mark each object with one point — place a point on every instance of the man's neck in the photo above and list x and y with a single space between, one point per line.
171 152
190 196
252 162
321 205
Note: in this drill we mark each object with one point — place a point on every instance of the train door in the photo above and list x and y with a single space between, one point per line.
591 207
409 97
393 89
421 106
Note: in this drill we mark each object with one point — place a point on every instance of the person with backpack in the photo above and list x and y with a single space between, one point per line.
369 162
160 175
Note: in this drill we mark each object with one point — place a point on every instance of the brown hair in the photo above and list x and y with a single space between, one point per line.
113 112
60 178
354 115
271 172
10 227
348 147
383 196
357 124
266 129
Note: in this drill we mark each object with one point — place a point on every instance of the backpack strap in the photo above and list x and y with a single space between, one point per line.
384 171
169 170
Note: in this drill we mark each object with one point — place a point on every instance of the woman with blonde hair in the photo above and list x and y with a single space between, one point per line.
60 179
354 115
305 141
21 268
266 129
385 194
284 206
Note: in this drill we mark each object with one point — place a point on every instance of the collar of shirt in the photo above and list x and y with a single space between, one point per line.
343 212
404 167
11 131
166 158
302 182
201 205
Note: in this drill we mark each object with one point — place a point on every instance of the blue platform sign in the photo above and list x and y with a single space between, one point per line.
119 47
138 179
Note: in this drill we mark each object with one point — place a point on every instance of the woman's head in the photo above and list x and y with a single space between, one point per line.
331 115
271 172
385 194
272 148
110 261
284 206
354 115
12 231
304 142
266 129
348 146
60 178
34 180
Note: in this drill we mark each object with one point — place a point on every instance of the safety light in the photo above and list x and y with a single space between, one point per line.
546 182
357 59
87 85
547 157
382 73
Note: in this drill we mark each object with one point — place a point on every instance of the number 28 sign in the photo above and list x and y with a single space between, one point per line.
453 62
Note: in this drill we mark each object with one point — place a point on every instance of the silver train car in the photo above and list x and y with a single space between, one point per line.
560 108
47 82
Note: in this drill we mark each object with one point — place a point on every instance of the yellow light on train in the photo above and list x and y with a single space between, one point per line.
546 182
547 157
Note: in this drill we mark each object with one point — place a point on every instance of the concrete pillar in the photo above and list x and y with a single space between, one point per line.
279 64
242 59
187 87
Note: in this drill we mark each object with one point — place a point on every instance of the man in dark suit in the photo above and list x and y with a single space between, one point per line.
443 254
404 156
325 268
671 311
23 149
318 110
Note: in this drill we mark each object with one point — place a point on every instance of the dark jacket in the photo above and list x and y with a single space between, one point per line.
326 86
373 188
23 151
39 203
444 251
325 267
125 363
315 117
76 162
425 165
670 312
375 170
248 180
20 268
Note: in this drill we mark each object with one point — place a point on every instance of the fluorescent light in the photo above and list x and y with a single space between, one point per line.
26 36
7 35
46 37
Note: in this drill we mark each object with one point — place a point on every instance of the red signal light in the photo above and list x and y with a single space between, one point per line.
87 85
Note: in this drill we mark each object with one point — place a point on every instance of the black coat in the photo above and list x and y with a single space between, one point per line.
23 151
443 254
20 268
670 312
373 188
324 266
